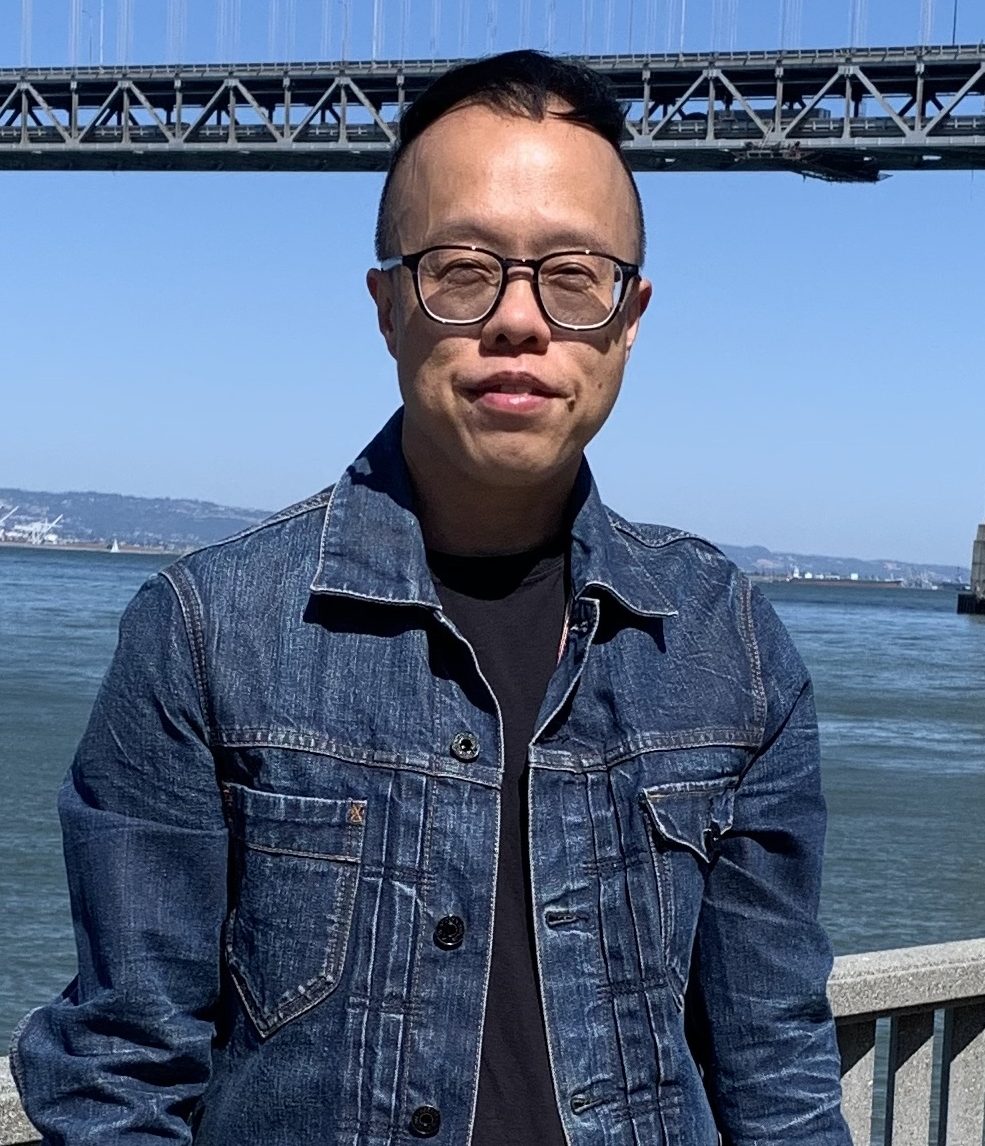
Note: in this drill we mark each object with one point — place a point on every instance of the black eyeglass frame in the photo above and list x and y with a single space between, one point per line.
630 271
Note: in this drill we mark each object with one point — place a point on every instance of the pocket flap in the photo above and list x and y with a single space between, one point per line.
296 825
692 815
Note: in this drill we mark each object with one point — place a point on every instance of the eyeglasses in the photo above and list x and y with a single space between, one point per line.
460 286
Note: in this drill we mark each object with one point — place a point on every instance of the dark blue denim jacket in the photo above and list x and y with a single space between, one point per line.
291 776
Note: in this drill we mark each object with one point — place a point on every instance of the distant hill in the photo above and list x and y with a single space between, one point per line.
171 523
757 559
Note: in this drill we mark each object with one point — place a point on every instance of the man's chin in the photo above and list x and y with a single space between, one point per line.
518 472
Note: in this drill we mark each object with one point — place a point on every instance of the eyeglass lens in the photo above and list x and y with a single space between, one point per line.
575 289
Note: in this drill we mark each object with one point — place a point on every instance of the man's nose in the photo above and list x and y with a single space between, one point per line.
518 318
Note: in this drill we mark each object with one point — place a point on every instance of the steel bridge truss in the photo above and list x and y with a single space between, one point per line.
833 115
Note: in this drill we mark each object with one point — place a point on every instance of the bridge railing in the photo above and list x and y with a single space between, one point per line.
911 1029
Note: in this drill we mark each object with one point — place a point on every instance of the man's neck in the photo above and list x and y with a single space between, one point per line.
469 520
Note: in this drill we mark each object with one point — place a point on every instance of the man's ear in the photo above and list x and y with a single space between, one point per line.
638 301
380 286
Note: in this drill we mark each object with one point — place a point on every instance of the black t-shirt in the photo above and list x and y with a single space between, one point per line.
511 610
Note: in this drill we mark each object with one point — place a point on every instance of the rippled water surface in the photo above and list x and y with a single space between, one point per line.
900 682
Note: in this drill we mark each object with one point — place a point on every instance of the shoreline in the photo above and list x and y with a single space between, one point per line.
857 583
96 547
162 551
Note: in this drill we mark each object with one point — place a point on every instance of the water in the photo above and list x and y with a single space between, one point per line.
899 679
900 685
58 616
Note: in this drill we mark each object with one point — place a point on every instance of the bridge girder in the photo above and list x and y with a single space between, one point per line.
840 115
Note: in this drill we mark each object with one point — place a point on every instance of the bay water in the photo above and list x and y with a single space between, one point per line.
900 683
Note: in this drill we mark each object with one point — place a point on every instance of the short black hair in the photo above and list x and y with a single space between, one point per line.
525 83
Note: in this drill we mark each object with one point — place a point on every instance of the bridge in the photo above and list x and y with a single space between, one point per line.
839 115
849 115
854 113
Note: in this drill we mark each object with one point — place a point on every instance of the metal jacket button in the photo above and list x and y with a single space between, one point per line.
425 1122
449 933
465 747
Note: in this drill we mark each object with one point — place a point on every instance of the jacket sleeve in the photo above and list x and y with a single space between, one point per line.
123 1054
757 990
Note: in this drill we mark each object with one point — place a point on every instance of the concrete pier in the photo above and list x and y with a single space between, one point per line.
974 602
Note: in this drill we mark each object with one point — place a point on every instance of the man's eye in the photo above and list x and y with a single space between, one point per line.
462 272
572 276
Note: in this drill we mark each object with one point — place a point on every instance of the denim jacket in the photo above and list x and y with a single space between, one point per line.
290 784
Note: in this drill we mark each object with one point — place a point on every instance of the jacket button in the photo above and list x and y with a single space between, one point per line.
449 933
425 1122
465 747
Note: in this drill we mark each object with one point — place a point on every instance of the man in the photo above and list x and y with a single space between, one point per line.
448 804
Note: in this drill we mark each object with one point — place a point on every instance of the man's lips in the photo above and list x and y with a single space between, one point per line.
511 382
511 392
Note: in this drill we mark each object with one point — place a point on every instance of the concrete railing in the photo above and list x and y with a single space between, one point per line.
14 1127
929 1003
930 1075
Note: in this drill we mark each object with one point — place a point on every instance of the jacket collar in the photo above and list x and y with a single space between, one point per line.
603 558
372 547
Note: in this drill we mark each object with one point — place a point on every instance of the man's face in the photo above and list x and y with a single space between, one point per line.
510 402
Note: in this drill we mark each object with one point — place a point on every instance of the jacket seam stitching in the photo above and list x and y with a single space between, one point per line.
193 624
299 509
760 703
403 1079
620 525
334 752
326 524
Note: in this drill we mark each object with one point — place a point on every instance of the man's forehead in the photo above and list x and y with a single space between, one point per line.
488 175
477 143
472 115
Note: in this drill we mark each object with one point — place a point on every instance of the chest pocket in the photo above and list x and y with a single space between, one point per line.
685 822
295 874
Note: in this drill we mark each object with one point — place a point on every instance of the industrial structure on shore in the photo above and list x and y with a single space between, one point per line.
974 600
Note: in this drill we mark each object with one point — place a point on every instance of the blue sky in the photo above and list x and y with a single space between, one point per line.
808 376
155 30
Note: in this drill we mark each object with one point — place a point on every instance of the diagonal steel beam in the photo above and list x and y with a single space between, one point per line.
689 94
751 111
367 104
41 104
955 100
787 131
145 103
208 108
887 107
11 99
315 108
104 107
279 137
